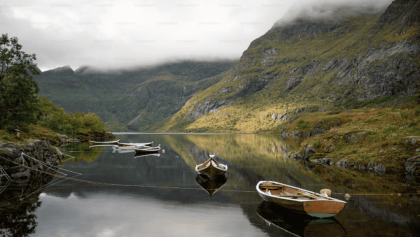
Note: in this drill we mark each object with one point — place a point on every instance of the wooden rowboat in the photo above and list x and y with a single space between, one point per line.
211 167
104 143
146 149
135 144
300 200
211 185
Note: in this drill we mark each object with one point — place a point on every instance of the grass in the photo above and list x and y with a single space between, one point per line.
368 134
36 132
252 114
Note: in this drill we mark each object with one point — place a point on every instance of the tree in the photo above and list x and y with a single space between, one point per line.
19 104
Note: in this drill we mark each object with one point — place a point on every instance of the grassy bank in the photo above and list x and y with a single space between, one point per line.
361 136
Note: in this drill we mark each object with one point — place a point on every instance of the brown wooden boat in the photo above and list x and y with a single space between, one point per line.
211 185
211 168
147 150
300 200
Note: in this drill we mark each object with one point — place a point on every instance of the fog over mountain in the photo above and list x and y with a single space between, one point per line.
327 10
113 34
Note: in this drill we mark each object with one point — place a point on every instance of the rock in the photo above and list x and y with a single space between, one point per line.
309 150
15 169
343 163
412 170
394 149
331 148
371 164
323 161
417 151
291 83
412 141
20 175
274 116
355 137
379 169
12 155
382 151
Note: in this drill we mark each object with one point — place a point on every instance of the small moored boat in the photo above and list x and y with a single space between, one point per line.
105 143
146 149
300 200
211 167
135 144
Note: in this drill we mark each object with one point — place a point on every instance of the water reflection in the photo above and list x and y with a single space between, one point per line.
296 224
211 185
149 192
137 155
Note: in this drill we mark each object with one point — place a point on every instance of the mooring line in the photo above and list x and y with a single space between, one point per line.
45 186
145 186
51 165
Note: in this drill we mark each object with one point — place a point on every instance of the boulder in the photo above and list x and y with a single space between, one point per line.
379 169
412 141
309 149
412 170
274 116
343 163
20 175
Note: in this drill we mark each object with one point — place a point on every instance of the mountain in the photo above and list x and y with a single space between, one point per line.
352 57
129 99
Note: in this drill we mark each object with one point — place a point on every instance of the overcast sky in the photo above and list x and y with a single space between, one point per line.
124 33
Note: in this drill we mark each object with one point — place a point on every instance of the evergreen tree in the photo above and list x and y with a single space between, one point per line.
19 104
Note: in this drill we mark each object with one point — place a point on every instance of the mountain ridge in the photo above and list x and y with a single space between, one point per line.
310 66
120 96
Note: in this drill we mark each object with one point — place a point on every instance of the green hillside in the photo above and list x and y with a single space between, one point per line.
129 99
309 65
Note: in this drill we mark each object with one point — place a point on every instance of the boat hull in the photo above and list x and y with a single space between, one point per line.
211 168
147 150
148 144
104 143
211 171
315 208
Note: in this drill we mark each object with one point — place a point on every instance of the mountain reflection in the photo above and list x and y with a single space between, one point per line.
170 184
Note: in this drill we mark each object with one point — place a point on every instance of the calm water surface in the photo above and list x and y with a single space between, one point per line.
164 196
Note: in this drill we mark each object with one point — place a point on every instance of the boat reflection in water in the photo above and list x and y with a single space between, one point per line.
123 149
211 185
295 224
138 155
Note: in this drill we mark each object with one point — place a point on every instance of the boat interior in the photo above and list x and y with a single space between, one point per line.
289 192
215 163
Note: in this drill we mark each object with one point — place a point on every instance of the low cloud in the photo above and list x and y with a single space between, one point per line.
318 10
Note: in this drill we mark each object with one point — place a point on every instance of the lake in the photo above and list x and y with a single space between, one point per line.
118 194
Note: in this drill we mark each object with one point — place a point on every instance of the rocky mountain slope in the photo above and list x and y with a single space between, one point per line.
312 64
131 99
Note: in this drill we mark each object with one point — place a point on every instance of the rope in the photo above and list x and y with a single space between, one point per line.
374 194
108 184
140 186
45 164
